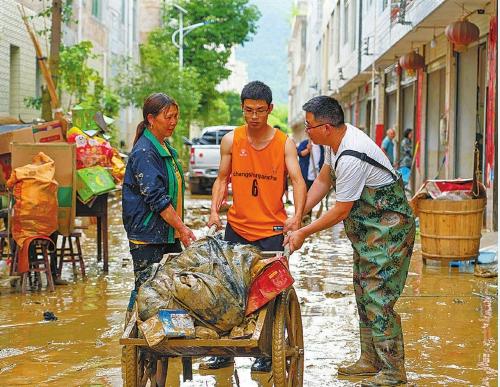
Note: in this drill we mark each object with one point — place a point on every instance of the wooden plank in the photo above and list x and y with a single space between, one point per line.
260 324
130 326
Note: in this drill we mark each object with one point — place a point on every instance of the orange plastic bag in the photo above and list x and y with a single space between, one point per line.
35 194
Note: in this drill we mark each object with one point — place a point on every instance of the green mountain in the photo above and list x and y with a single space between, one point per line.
266 55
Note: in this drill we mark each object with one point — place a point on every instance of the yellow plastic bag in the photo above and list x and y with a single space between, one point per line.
35 193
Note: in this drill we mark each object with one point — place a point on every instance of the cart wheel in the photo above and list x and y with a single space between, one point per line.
288 341
130 365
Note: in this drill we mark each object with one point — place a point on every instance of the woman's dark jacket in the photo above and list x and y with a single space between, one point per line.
149 187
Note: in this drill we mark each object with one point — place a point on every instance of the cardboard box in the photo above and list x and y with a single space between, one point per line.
14 133
64 156
93 181
48 132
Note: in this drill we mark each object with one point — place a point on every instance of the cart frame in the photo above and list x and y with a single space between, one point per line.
278 334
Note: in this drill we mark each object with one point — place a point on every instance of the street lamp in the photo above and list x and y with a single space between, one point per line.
182 32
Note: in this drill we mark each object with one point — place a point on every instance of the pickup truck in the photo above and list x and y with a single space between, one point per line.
205 158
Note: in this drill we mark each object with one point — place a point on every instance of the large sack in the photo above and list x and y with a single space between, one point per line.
35 195
210 280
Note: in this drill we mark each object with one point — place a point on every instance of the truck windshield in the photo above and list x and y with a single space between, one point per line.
213 138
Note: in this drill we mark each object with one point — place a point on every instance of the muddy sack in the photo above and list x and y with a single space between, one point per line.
210 280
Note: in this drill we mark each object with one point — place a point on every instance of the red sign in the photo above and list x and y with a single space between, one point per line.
490 103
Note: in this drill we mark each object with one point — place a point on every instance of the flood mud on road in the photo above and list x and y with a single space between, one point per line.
449 316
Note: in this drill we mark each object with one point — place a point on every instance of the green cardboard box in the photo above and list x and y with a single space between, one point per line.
93 181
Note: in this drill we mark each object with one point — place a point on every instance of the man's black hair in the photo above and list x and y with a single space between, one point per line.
325 108
277 127
257 90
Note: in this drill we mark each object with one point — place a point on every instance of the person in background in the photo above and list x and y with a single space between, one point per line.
256 156
153 189
311 159
406 155
388 145
378 221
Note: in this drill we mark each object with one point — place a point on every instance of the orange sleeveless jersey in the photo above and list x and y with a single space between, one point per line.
258 179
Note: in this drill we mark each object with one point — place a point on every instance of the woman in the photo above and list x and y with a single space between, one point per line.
153 189
406 153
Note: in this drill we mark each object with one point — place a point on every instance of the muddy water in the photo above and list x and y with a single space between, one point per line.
449 320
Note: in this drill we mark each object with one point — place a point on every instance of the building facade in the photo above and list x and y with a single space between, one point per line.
111 26
350 49
19 74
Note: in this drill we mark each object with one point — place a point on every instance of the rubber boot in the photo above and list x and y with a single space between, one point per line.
392 355
216 362
368 363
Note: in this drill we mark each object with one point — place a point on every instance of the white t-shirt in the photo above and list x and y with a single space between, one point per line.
316 155
354 174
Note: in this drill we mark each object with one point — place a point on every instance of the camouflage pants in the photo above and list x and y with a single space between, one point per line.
381 228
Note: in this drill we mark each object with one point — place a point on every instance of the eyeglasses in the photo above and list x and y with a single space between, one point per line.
258 113
307 127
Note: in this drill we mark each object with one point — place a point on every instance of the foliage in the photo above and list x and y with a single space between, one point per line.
207 48
76 76
66 16
232 100
33 102
279 116
157 72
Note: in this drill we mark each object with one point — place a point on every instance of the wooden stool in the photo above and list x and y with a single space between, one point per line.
7 241
69 252
5 237
37 265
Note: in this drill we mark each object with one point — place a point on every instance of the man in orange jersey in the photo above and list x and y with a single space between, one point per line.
258 158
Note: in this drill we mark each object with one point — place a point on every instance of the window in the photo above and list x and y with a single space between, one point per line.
346 22
336 32
123 11
303 36
96 8
352 24
331 30
384 4
211 138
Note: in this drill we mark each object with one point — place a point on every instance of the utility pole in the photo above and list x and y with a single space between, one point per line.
182 32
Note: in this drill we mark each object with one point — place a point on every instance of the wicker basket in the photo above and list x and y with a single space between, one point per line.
450 230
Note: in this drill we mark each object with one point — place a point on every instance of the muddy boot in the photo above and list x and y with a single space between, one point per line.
216 362
262 365
368 363
391 353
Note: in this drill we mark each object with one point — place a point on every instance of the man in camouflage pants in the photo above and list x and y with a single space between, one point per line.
379 223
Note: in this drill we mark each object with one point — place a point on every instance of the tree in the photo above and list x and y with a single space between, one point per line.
233 101
279 116
158 72
206 53
207 49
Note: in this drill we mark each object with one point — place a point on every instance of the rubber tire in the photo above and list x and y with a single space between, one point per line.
195 189
287 374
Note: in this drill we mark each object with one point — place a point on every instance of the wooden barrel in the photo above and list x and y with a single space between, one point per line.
450 230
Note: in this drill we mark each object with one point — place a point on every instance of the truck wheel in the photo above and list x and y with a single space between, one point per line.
195 189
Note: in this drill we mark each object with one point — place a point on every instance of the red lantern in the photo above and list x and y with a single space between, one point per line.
462 33
412 62
397 69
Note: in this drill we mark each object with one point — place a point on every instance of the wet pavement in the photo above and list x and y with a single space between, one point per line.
450 320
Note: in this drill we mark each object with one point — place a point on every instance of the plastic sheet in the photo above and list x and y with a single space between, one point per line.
210 280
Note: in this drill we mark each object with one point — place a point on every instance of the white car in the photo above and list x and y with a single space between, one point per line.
205 158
